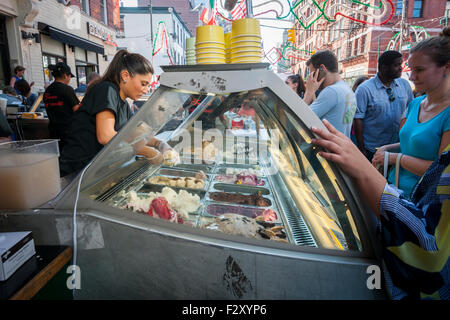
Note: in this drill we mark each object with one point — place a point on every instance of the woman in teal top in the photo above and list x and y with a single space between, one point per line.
421 140
426 132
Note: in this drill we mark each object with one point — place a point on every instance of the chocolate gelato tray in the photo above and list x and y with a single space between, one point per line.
215 209
253 200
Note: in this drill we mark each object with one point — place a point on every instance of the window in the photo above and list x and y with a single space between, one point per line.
447 10
349 51
86 62
48 59
85 6
355 52
363 44
121 33
338 54
104 11
399 8
418 9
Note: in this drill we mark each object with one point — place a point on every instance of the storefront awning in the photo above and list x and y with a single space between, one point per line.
70 39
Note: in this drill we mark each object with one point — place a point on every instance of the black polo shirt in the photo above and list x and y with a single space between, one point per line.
59 99
82 144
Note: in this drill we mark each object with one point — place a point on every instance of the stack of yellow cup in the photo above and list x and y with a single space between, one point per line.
190 51
245 41
228 47
210 45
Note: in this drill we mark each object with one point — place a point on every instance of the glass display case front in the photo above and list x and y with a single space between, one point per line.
247 168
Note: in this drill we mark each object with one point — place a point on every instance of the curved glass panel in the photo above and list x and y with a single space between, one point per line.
247 168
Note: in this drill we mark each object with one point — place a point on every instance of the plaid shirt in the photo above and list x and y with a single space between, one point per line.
415 235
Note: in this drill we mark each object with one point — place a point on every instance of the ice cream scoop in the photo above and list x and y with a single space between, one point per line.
171 158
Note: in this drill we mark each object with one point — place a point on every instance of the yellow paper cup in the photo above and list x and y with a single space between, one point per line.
246 38
246 49
245 26
210 49
209 33
245 42
210 46
211 55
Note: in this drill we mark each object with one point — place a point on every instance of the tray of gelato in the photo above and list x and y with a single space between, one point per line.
243 178
151 187
255 199
179 207
180 182
244 226
265 214
240 169
180 179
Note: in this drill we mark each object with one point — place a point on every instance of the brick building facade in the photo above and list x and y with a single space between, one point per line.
36 33
356 45
183 8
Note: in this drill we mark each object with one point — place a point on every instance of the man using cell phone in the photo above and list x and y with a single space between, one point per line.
336 101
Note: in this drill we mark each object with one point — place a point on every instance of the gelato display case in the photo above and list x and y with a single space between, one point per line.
248 211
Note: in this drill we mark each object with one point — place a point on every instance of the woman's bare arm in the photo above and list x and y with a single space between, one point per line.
105 121
345 153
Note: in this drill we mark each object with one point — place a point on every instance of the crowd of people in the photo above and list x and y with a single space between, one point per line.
409 138
390 130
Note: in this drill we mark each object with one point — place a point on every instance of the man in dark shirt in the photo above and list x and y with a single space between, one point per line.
60 102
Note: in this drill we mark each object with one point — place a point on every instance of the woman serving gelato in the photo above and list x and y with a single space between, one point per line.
104 111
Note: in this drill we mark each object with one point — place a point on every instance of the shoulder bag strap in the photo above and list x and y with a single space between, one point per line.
397 167
386 164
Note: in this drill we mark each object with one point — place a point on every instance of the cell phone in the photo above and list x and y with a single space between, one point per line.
321 74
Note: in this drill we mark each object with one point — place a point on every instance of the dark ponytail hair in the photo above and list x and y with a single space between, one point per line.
134 63
438 48
301 85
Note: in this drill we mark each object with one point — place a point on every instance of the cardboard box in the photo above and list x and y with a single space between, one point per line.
16 248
